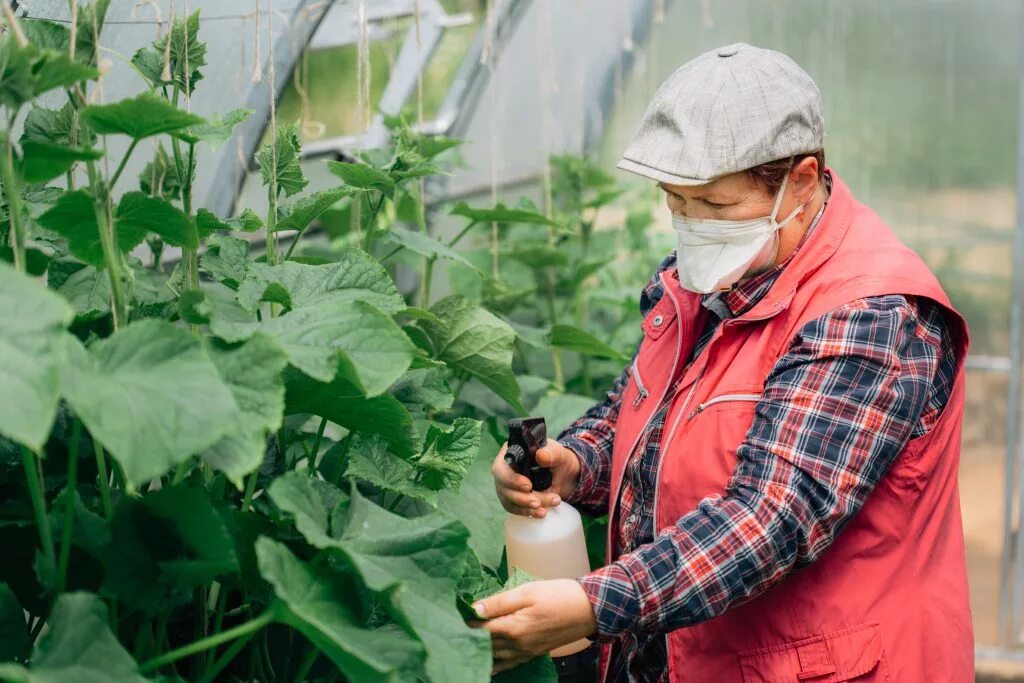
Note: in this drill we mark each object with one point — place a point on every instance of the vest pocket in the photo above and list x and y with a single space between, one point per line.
852 654
723 398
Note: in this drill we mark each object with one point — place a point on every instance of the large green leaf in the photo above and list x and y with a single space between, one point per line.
150 394
501 214
227 318
32 322
448 453
208 223
353 339
317 506
187 52
355 276
139 117
472 339
426 245
279 161
138 212
424 390
575 339
370 459
42 161
88 291
29 71
14 641
51 125
478 507
305 210
416 563
343 403
77 647
561 410
217 130
253 374
226 259
166 544
323 606
362 176
74 217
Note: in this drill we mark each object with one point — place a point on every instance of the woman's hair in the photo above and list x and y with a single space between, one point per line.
770 175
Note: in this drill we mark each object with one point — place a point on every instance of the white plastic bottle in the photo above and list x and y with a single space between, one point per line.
551 547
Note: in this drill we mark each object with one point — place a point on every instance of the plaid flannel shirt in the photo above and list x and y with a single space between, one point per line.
887 361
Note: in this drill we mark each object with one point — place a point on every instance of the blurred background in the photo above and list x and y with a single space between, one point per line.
922 119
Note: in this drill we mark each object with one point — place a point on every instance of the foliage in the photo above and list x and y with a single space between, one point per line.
208 470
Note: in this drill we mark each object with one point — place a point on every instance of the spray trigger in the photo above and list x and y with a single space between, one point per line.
525 436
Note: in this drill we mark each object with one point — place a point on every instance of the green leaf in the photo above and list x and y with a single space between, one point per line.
32 323
252 372
447 454
207 223
227 318
50 125
343 403
355 276
362 176
74 217
30 70
14 641
501 214
426 245
88 292
371 461
42 161
217 130
77 647
424 390
279 161
188 53
477 506
414 565
137 212
305 210
474 340
319 604
139 117
575 339
316 505
353 339
537 670
159 178
150 65
46 34
226 259
166 544
150 394
561 410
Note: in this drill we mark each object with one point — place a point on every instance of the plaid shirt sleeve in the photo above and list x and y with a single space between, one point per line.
590 437
836 411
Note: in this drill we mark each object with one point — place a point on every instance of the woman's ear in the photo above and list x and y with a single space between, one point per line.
804 178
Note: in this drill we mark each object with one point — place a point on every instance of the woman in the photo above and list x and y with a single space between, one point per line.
779 460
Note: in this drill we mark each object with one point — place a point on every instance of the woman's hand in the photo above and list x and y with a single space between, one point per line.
515 491
534 619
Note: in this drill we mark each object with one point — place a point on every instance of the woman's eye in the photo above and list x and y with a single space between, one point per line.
713 205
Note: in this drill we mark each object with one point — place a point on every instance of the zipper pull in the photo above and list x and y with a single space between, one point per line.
641 394
696 411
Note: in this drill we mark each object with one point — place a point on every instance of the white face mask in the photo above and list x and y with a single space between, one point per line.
712 255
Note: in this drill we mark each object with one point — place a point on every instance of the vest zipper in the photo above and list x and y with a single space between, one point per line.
722 399
642 392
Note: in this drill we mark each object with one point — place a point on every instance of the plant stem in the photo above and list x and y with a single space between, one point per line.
428 275
250 488
112 256
101 473
462 233
38 501
316 442
556 356
225 659
69 505
371 222
271 224
307 664
345 443
246 628
13 191
124 160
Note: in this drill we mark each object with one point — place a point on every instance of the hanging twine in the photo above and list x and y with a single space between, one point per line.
12 23
166 75
273 118
157 15
257 61
73 39
363 74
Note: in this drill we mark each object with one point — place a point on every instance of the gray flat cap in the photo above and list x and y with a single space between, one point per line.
727 110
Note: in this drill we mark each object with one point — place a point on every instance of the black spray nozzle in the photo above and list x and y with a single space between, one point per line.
525 436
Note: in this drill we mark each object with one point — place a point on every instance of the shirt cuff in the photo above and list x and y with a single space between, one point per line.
614 597
587 495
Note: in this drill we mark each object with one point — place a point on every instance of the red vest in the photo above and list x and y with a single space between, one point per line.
888 601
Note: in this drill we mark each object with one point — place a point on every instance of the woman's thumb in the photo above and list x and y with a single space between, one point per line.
550 455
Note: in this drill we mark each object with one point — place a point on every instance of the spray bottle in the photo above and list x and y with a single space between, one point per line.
550 547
